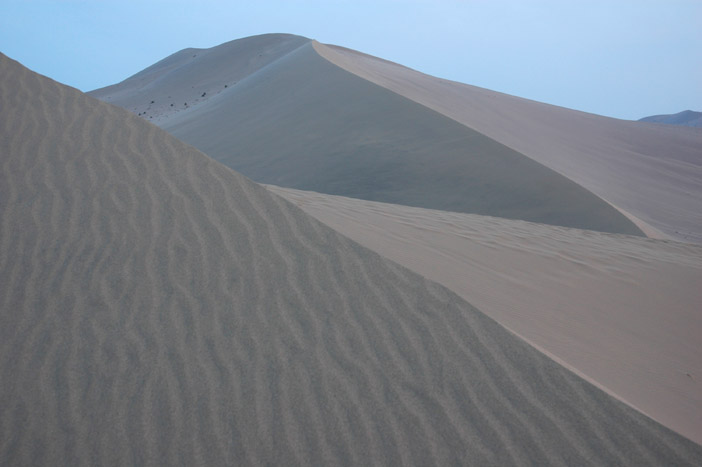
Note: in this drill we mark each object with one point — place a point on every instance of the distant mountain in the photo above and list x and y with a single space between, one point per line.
684 118
289 111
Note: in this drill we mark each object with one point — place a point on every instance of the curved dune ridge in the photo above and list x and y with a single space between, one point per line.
623 311
158 308
651 173
341 134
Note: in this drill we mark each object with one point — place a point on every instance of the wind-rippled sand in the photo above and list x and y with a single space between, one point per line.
157 308
622 310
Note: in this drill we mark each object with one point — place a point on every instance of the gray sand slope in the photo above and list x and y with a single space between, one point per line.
652 173
338 133
158 308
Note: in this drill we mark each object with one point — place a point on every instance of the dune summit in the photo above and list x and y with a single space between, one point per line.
337 132
685 118
158 308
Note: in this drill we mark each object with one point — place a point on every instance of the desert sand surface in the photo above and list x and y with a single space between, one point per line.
335 132
158 308
622 311
653 173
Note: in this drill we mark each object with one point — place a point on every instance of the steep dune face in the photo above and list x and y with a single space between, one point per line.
157 308
621 310
653 173
337 133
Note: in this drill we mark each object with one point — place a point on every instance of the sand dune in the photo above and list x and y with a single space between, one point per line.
158 308
685 118
653 173
341 134
623 311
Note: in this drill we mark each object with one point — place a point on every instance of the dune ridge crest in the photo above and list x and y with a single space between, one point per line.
651 172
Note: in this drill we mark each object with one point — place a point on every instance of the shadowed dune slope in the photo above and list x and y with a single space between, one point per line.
303 122
158 308
624 311
652 173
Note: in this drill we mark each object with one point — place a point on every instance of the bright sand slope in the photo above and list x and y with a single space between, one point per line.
158 308
653 173
624 311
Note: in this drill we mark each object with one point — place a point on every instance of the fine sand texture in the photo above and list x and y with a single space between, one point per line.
652 173
338 133
623 311
156 308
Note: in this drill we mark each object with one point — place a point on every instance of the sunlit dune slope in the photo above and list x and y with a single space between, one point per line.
651 173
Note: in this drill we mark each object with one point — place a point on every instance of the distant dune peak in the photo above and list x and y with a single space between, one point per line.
684 118
192 77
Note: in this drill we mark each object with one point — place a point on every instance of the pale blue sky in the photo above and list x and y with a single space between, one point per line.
621 58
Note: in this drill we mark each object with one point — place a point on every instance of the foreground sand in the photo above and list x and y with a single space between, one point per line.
157 308
624 311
